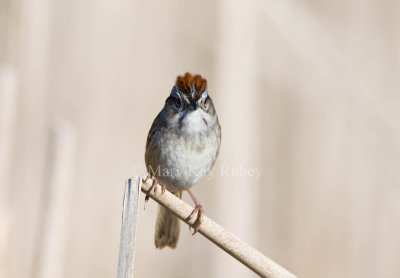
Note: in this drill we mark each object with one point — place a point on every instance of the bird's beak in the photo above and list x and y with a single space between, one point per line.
194 105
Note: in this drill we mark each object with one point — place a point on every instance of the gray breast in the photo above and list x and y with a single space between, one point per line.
180 161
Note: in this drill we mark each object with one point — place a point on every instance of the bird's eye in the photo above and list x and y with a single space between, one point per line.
178 102
206 104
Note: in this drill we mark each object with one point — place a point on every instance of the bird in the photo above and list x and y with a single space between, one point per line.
182 146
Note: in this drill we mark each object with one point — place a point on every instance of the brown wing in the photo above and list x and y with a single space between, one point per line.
151 148
218 133
154 127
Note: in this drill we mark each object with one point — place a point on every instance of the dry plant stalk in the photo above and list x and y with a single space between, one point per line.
243 252
128 228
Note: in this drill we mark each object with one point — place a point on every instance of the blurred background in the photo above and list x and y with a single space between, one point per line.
307 92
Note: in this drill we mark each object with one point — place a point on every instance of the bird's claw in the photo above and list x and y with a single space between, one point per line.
153 187
200 212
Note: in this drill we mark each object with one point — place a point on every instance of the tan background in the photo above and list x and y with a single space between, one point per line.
307 91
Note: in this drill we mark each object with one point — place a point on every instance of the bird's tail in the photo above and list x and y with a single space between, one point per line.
167 227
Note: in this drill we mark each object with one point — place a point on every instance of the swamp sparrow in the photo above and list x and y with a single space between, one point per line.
182 147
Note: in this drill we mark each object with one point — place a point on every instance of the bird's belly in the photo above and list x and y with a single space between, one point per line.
183 164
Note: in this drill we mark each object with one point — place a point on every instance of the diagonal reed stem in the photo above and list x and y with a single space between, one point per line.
241 251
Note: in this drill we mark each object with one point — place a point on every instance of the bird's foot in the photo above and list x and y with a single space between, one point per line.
200 212
197 209
153 187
